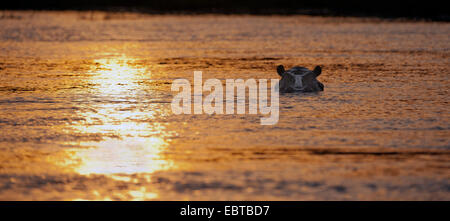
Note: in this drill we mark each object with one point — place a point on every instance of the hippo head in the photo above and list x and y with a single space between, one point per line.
299 79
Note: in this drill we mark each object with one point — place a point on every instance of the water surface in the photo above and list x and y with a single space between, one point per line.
85 109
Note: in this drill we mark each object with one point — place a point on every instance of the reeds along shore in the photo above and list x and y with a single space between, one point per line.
432 10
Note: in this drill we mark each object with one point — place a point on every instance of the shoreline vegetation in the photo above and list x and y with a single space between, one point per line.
432 10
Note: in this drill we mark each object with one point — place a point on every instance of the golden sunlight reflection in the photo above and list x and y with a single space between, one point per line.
120 157
131 141
118 75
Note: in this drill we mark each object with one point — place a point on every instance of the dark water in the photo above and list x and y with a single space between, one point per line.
85 109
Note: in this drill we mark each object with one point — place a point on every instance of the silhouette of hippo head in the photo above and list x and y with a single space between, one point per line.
299 79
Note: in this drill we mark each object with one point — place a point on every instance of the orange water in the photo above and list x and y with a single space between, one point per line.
85 109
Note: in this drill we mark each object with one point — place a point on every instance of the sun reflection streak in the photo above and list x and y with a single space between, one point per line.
119 157
131 140
118 76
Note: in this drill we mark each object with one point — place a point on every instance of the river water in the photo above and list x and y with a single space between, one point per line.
85 108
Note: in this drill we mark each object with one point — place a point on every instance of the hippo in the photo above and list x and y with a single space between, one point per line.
299 79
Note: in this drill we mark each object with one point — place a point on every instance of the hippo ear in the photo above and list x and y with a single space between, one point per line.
317 70
280 70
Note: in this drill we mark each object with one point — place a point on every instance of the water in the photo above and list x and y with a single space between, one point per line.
85 109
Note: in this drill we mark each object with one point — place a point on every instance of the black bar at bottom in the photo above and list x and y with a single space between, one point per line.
224 210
